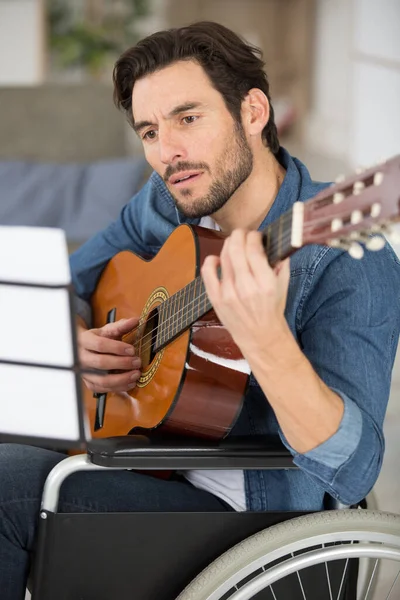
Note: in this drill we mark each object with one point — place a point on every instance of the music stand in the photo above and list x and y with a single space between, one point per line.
40 386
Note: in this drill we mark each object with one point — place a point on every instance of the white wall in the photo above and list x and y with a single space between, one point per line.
376 85
328 123
21 42
356 95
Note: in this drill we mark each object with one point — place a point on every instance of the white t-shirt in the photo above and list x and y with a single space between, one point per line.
227 485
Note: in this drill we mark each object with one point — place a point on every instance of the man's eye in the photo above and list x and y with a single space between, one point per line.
150 135
190 119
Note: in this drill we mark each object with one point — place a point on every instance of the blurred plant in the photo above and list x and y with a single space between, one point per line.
94 32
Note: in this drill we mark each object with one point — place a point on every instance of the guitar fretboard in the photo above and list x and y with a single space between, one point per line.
180 311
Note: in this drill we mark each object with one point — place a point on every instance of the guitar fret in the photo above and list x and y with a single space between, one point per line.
177 312
194 301
186 296
185 303
160 327
174 314
178 316
273 243
180 312
287 232
277 238
197 290
169 316
190 302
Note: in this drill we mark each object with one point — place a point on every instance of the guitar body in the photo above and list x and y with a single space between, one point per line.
193 386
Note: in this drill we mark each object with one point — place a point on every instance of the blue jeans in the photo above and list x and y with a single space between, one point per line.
23 471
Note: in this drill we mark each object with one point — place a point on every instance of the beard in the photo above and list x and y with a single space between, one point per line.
232 169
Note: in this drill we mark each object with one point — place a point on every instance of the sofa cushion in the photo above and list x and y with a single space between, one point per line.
79 198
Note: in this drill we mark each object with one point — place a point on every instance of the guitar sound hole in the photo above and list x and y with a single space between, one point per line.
149 338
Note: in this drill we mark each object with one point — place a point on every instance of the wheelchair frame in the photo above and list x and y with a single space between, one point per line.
87 556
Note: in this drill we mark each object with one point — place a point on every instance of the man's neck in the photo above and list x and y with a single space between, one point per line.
250 204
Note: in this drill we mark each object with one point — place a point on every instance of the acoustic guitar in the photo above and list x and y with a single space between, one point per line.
194 378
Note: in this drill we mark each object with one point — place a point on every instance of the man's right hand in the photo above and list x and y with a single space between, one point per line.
102 349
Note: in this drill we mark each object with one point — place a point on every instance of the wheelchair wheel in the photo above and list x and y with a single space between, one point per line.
285 554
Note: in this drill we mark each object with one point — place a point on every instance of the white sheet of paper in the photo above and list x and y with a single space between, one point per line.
34 255
35 325
39 402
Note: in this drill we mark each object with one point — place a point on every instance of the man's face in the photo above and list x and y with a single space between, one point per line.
190 138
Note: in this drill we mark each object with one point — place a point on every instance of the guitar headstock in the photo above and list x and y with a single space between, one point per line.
351 210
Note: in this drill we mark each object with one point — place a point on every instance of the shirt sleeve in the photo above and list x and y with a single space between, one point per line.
142 227
349 331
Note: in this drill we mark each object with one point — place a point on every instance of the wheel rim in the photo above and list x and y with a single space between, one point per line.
255 563
338 537
312 558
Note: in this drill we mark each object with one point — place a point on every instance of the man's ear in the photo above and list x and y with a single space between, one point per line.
255 111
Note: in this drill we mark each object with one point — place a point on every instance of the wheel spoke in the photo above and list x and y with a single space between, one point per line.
328 578
272 592
393 586
343 579
300 582
371 580
343 576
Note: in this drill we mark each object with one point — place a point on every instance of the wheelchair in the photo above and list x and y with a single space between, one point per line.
330 555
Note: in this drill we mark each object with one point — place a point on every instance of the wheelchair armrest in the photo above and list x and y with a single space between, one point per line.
174 453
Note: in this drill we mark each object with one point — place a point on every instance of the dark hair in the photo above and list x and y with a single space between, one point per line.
232 65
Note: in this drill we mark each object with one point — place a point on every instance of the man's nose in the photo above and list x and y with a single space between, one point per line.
171 148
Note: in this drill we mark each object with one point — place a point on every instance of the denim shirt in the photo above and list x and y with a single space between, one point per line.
344 315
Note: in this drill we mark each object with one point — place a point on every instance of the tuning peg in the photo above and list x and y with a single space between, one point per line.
376 209
336 224
358 187
356 250
340 178
338 198
378 178
356 217
375 243
372 242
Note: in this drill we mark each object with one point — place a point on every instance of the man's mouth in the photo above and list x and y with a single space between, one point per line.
182 179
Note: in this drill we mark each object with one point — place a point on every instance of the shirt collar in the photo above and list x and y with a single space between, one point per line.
290 190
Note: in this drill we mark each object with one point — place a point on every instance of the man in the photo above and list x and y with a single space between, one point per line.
320 341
